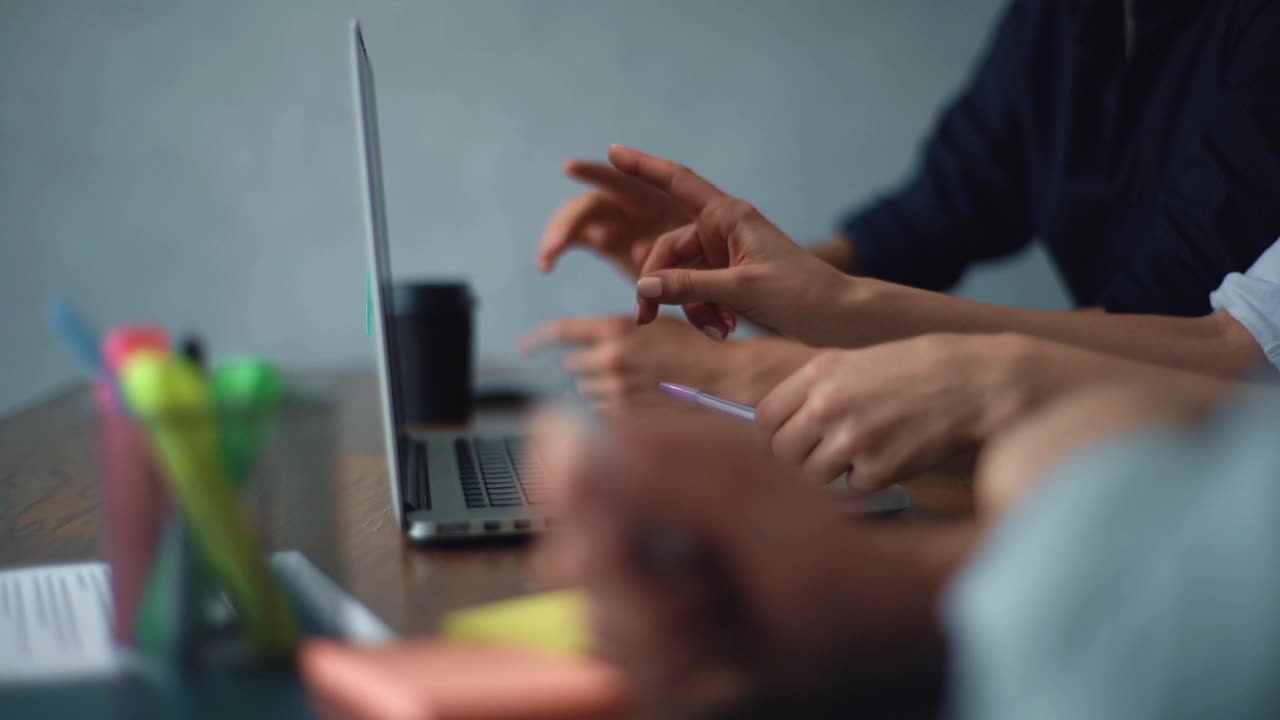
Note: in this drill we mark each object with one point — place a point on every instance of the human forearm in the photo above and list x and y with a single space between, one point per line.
839 253
875 311
732 262
1026 374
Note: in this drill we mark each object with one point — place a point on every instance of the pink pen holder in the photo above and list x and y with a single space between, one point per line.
135 503
285 475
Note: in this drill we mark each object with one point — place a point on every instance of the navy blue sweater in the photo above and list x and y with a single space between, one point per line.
1142 148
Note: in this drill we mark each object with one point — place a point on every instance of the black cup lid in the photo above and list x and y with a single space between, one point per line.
419 297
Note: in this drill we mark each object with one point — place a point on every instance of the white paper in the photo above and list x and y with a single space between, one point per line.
55 620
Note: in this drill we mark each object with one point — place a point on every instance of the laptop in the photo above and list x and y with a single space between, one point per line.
445 486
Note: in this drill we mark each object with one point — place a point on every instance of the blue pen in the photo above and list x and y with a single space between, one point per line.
83 342
709 401
80 338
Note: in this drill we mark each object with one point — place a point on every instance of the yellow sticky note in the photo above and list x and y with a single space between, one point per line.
552 621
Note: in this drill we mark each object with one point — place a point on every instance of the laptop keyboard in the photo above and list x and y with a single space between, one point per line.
496 472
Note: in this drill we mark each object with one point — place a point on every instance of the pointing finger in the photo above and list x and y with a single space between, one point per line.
569 222
570 331
619 186
678 181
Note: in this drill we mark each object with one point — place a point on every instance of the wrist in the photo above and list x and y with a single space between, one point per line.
760 364
851 320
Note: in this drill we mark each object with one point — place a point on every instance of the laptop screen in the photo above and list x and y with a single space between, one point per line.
380 263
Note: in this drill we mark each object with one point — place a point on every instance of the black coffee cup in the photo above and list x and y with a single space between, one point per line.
434 337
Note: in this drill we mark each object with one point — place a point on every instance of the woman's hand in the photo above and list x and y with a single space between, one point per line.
728 259
896 408
619 365
619 218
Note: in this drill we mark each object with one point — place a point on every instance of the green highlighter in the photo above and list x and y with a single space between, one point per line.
172 399
246 392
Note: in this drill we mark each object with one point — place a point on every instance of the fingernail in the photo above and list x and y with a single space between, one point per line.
713 332
650 287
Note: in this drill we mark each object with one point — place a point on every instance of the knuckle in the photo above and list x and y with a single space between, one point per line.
613 359
850 442
681 283
828 406
751 277
739 209
823 408
720 208
663 241
782 450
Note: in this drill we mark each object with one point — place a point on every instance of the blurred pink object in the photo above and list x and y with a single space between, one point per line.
433 680
124 340
133 495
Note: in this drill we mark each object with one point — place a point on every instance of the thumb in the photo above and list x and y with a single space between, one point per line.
682 286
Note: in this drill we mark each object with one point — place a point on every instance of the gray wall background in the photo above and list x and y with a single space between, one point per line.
193 163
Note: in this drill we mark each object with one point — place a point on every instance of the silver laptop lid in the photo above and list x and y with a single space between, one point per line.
380 264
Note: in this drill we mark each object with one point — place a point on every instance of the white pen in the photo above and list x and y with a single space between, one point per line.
892 499
709 401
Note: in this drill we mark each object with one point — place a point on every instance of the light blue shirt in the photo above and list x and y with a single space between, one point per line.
1141 580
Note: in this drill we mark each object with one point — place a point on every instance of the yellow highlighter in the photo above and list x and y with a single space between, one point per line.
171 398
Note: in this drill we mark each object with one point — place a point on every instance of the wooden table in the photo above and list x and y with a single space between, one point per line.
49 510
